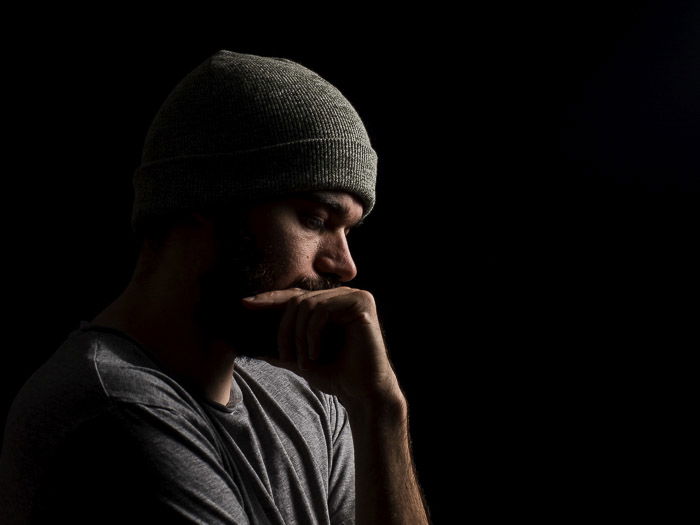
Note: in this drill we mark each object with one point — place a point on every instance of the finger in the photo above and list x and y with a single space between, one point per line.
288 334
286 349
356 305
304 311
273 298
317 321
310 323
278 298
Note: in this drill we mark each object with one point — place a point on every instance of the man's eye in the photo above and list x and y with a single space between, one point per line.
313 222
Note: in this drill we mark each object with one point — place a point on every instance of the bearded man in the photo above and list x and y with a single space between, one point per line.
237 378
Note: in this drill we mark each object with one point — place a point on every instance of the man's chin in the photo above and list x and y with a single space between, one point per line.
251 333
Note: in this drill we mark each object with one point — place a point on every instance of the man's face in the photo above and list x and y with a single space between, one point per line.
296 241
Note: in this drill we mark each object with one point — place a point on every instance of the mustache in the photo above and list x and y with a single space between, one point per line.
313 284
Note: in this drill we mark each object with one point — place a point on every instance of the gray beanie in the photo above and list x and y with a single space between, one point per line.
241 127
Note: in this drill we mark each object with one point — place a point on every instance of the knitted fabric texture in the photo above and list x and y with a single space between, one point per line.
241 127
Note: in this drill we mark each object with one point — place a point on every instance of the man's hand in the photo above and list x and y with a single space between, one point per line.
358 370
359 373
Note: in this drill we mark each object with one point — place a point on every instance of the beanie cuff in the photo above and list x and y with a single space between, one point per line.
200 182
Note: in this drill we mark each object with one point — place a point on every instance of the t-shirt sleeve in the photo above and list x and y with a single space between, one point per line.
341 487
143 463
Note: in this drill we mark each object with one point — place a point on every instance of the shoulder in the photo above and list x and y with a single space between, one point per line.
264 379
86 376
126 374
96 399
138 454
268 384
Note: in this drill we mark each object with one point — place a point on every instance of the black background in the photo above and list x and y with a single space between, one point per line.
533 250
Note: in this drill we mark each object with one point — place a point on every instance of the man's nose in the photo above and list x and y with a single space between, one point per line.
334 258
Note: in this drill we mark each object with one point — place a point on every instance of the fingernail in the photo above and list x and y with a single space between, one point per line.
251 298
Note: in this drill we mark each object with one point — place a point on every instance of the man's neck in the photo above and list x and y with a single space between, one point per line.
165 325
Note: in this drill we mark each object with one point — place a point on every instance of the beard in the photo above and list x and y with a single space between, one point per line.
245 268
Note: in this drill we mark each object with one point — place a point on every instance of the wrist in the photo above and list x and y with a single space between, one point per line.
390 407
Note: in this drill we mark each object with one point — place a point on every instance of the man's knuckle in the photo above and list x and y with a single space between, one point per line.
297 300
366 296
366 317
308 305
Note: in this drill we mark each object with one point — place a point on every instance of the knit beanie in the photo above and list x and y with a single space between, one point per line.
240 127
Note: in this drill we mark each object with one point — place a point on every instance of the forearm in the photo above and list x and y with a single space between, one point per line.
386 486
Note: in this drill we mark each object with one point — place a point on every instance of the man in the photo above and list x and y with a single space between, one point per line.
235 380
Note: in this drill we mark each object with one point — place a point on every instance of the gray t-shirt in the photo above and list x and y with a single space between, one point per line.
100 433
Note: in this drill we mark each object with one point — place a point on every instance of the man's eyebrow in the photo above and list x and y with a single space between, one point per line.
336 207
